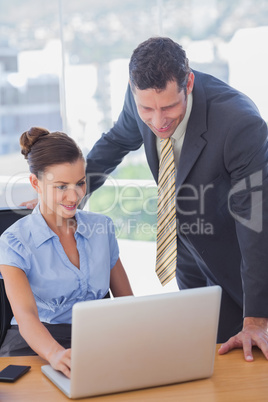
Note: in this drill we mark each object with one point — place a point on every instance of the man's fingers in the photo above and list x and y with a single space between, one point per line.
225 348
232 343
262 343
247 348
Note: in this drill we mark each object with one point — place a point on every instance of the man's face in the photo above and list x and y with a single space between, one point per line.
162 111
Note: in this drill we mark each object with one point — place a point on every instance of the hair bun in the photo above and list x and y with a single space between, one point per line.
30 137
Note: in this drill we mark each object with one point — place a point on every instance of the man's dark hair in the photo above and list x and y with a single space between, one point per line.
157 61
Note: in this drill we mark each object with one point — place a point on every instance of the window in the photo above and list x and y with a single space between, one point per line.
64 66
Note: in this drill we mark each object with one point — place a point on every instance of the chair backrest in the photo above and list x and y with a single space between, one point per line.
5 312
7 218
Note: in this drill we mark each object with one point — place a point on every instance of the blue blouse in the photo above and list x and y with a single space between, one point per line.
56 283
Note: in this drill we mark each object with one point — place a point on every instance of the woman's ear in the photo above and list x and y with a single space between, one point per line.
34 182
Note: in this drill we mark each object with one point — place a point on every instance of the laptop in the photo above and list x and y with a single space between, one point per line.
131 343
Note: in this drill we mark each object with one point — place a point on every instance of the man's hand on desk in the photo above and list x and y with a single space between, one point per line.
254 333
30 204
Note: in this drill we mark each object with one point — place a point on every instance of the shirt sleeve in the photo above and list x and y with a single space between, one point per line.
13 252
114 249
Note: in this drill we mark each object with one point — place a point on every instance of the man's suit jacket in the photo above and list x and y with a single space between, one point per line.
222 208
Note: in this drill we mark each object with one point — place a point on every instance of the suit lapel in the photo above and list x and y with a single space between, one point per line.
192 147
149 140
193 142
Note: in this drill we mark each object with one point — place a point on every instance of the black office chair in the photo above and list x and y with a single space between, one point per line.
7 217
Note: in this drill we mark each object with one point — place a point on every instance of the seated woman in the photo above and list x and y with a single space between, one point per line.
56 256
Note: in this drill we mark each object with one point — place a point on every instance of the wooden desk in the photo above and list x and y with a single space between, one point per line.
233 380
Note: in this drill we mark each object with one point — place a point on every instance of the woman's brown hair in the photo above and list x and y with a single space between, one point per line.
43 148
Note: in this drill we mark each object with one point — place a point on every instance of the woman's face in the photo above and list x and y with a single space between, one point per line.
61 189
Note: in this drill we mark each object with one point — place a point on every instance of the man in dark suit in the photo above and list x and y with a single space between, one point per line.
221 152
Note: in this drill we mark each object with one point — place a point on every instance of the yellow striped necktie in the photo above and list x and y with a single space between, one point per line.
166 259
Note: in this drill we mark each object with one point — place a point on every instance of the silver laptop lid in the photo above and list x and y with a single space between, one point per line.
137 342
